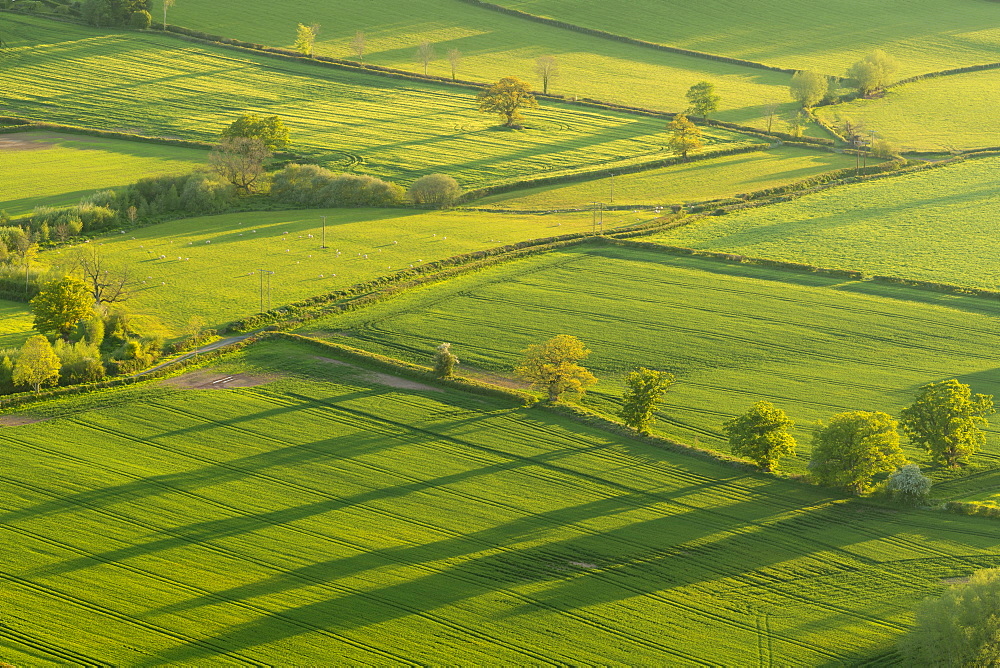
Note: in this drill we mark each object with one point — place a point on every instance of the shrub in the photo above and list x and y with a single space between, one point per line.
909 486
438 190
313 186
140 20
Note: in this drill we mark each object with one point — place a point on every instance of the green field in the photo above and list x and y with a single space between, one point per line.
210 263
493 45
732 334
924 35
330 515
950 113
16 324
695 182
390 128
50 169
936 225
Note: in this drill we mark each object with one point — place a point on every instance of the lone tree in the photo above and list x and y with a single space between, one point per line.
909 486
270 130
960 628
855 447
547 68
644 391
770 114
684 136
797 122
167 4
37 364
874 72
553 366
507 98
425 54
305 39
454 56
808 88
761 434
444 361
703 99
107 282
358 46
947 420
240 160
60 305
438 190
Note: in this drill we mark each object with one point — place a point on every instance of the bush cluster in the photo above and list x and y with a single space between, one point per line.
313 186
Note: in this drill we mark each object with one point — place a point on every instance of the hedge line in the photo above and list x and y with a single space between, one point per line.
415 371
167 369
28 125
602 172
384 287
936 286
946 73
973 508
621 38
733 258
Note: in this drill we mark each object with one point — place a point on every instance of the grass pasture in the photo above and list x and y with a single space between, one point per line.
925 36
732 334
216 277
938 114
693 182
494 45
328 515
936 225
50 169
389 128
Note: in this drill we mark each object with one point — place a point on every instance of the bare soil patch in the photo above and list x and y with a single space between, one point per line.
208 379
15 143
18 420
383 378
956 581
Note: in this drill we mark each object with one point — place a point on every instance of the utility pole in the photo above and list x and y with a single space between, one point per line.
262 272
612 187
324 233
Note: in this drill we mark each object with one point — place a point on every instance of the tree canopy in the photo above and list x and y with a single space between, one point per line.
761 434
874 72
645 389
60 305
270 130
546 67
444 361
808 88
684 136
305 38
553 366
240 160
947 420
855 447
703 99
507 97
37 364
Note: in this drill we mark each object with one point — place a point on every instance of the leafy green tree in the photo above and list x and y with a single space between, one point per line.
305 39
797 122
444 361
270 130
808 88
947 420
761 434
507 97
645 389
908 485
140 20
854 448
240 161
60 305
684 136
6 375
553 366
874 72
702 99
167 4
37 364
958 629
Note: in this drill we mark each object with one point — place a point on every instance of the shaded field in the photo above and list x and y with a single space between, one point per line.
939 114
698 181
925 36
322 516
732 334
210 263
50 169
937 225
493 45
386 127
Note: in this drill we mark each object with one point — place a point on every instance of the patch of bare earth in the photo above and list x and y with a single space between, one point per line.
382 378
207 379
17 144
17 420
956 581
